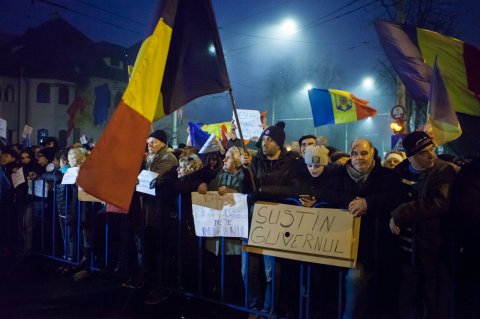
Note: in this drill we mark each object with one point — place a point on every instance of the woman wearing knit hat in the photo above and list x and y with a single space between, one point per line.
316 160
393 158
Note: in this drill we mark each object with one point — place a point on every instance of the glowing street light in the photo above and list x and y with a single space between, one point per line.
308 86
368 83
289 27
211 49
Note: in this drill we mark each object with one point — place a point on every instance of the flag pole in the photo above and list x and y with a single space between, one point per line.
234 106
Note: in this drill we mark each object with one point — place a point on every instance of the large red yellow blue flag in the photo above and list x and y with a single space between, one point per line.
412 52
181 60
335 107
442 118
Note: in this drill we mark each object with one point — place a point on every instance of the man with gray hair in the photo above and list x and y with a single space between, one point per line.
369 191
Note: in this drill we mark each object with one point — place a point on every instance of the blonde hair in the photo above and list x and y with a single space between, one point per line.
191 163
236 154
76 156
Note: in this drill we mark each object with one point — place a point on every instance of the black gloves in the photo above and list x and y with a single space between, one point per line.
156 182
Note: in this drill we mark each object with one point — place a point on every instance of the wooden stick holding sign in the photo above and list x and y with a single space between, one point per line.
320 235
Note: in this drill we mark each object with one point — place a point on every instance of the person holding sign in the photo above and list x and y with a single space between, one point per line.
29 168
370 191
314 177
231 179
154 210
63 193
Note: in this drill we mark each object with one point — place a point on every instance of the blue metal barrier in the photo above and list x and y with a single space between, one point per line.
305 303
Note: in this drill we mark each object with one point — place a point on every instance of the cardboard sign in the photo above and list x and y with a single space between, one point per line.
18 177
144 180
320 235
70 176
3 128
38 188
216 215
83 196
250 123
27 131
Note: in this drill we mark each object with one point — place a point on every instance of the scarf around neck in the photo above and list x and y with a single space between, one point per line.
358 177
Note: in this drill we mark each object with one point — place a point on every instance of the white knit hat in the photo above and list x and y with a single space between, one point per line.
316 154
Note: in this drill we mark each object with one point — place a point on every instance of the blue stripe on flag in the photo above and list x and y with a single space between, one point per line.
321 103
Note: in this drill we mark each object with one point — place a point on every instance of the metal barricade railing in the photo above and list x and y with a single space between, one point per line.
305 269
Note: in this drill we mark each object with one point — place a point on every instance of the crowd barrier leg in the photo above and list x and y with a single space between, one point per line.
308 291
42 219
222 269
200 266
54 215
341 276
179 241
301 291
107 228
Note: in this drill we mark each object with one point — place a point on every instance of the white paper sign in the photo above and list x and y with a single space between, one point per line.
18 177
3 128
216 215
27 130
40 188
83 139
144 180
70 176
250 124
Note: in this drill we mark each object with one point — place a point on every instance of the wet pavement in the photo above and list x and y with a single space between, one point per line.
30 288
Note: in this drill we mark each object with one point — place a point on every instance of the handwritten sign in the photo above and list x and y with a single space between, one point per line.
320 235
27 131
18 177
38 188
216 215
3 128
250 123
144 180
70 176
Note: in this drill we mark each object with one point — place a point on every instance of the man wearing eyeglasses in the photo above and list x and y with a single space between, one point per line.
421 224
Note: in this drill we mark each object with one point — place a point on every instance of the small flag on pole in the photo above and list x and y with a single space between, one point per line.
335 107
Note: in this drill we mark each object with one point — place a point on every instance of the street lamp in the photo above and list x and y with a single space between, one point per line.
308 86
289 27
368 83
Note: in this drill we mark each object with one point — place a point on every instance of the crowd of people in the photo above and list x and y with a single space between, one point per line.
419 217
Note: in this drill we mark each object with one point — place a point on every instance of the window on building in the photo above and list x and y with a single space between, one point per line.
9 95
63 95
43 93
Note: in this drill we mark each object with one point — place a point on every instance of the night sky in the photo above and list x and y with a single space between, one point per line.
337 32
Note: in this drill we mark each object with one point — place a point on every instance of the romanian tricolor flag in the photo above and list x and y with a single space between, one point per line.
412 52
181 60
335 107
443 119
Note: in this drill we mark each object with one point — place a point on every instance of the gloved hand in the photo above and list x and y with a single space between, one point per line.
159 181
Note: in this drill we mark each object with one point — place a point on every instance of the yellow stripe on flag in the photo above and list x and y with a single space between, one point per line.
143 92
451 62
340 100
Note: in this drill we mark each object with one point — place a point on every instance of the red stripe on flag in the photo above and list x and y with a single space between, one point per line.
116 158
471 56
